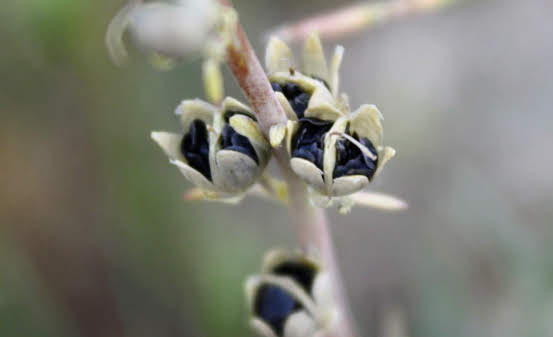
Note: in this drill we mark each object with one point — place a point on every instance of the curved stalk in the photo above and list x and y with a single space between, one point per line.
310 223
348 20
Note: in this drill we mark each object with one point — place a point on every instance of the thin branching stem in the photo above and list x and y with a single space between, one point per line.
310 223
352 19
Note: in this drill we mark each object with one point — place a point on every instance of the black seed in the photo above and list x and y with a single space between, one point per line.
199 163
240 149
340 171
296 96
291 90
226 136
368 161
305 154
351 161
341 151
315 152
195 148
233 141
356 167
274 305
299 104
237 139
276 87
303 273
307 143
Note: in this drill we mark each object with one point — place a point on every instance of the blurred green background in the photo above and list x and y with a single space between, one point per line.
95 239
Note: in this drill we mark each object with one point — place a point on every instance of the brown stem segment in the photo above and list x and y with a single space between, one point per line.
310 223
249 73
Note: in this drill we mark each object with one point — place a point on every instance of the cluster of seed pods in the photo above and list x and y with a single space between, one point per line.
334 150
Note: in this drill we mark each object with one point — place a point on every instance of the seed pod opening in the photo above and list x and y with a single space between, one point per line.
233 141
222 151
195 148
308 141
350 160
297 97
303 273
291 298
274 306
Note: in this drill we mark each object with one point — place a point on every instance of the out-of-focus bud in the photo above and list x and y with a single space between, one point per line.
291 297
175 29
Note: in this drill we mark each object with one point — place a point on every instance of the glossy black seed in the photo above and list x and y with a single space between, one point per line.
305 154
276 86
274 305
233 141
195 148
307 142
351 161
303 273
353 167
291 90
368 161
296 96
299 104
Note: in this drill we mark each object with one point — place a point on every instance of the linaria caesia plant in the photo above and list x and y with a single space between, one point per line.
326 152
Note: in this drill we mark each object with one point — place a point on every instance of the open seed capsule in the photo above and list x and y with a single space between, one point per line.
309 91
221 150
341 157
334 150
290 298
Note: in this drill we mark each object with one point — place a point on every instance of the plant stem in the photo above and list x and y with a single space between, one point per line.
313 232
348 20
310 223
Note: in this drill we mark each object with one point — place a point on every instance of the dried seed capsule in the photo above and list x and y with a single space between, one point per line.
222 149
334 150
291 297
333 158
311 90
